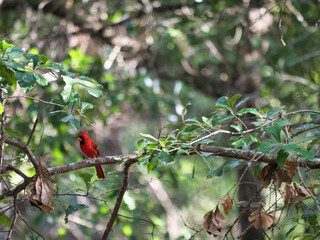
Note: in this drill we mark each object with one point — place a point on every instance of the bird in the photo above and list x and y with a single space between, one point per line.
90 149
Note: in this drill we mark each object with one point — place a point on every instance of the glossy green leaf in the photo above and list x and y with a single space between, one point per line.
4 46
34 58
8 74
85 106
216 173
86 178
282 157
149 136
184 110
165 157
15 53
26 80
233 99
41 79
266 147
254 111
275 130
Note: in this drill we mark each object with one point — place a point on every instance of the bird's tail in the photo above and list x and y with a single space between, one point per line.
100 172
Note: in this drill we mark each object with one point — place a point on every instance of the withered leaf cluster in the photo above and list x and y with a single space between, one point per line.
41 190
261 219
295 193
214 222
278 175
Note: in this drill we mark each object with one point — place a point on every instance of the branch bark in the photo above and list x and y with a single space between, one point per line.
116 208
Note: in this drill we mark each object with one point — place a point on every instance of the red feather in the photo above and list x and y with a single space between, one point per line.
90 149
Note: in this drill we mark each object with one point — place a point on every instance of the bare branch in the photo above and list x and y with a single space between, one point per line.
116 208
24 148
247 155
33 129
14 217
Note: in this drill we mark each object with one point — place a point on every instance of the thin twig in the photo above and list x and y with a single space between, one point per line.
14 217
2 122
29 226
141 219
308 190
191 228
116 208
33 130
38 100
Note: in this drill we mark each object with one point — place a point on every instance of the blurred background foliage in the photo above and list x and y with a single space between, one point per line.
152 58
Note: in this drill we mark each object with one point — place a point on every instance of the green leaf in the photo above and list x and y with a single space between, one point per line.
265 147
254 111
14 53
4 46
165 157
68 93
149 136
275 130
1 108
142 143
233 99
282 157
72 120
307 126
85 106
86 178
8 74
41 79
291 230
220 119
229 165
307 155
34 58
194 167
256 170
216 173
73 208
26 80
94 92
5 220
238 127
11 132
44 59
206 161
184 110
242 102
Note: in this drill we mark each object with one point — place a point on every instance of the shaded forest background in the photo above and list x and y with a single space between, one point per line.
152 58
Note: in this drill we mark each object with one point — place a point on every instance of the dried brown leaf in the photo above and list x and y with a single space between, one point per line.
227 204
292 194
214 222
261 219
306 192
286 194
266 173
290 168
267 221
41 190
297 195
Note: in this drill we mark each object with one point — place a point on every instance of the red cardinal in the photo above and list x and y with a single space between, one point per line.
90 149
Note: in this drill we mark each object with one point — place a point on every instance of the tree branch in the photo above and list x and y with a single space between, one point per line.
24 148
116 208
247 155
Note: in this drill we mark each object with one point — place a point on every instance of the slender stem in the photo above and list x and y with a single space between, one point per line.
116 208
2 122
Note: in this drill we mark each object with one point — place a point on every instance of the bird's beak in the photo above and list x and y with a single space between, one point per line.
79 139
